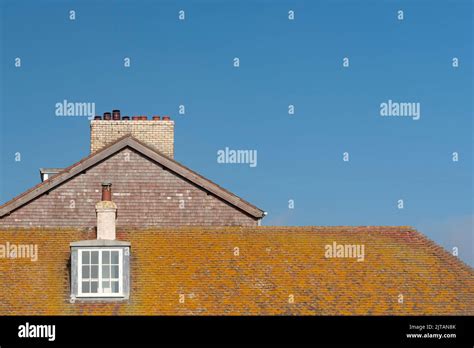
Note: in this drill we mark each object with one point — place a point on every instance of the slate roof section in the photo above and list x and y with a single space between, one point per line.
147 151
273 263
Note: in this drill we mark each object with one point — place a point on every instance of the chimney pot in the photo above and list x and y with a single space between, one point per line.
126 118
143 118
107 191
116 115
156 118
166 118
107 116
97 117
135 118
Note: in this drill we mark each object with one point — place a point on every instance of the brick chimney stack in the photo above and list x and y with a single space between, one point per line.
156 132
106 214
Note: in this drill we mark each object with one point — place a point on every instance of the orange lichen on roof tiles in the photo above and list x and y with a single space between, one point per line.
248 271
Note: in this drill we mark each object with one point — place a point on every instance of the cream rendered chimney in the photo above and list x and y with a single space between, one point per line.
106 214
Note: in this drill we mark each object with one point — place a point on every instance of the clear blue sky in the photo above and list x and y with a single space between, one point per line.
282 62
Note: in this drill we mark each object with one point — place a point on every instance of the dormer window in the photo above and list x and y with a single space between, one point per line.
100 269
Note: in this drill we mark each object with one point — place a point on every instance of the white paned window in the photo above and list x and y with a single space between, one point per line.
100 272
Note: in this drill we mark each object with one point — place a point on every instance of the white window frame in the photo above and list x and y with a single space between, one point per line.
100 292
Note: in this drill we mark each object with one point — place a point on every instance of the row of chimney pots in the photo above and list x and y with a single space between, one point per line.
115 116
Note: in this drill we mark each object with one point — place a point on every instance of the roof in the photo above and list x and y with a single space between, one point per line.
147 151
273 263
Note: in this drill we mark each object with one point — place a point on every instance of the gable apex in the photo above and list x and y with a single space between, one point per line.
146 151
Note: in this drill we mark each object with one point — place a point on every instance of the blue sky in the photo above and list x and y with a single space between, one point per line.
282 62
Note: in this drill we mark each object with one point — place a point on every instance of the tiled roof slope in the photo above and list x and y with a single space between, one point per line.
273 263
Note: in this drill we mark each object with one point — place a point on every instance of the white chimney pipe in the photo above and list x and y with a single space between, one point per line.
106 214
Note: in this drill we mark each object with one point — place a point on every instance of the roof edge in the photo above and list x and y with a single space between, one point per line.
99 243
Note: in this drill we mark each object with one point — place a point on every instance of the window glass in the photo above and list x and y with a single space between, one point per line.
115 271
85 272
115 286
94 257
115 257
105 257
85 287
94 287
105 272
94 271
85 257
